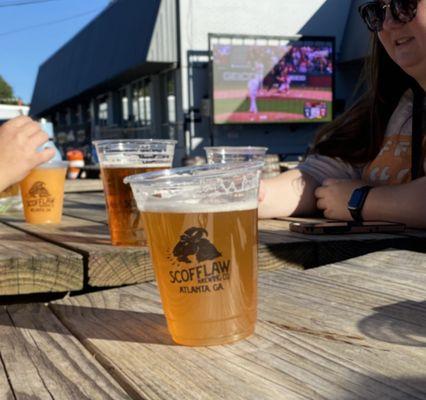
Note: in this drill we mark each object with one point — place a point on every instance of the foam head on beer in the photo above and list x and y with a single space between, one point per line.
122 158
201 224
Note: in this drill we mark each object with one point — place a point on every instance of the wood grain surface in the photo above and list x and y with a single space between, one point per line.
43 360
106 265
29 264
336 332
78 253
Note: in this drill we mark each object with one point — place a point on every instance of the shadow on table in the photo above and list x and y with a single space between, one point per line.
87 234
376 387
81 206
296 250
71 239
92 323
401 323
55 237
94 229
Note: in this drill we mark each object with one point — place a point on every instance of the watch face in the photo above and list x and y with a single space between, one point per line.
355 200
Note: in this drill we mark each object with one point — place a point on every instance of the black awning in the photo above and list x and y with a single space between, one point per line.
115 42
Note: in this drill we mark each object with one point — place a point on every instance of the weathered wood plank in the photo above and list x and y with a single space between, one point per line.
317 337
87 205
44 361
278 252
278 246
106 265
276 249
97 197
88 212
30 265
335 248
6 391
405 271
82 185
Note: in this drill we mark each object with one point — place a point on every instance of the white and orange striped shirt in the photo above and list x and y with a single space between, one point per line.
392 166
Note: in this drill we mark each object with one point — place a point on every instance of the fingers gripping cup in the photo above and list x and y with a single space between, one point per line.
119 159
201 224
43 193
227 154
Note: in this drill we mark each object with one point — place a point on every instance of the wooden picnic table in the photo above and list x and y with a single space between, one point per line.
351 330
77 255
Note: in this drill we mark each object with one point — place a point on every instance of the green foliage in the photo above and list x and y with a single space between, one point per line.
6 91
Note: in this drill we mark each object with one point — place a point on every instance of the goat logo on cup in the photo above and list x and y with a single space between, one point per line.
39 198
39 190
194 242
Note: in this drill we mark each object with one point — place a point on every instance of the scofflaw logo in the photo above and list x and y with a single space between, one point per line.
39 197
193 242
38 189
210 269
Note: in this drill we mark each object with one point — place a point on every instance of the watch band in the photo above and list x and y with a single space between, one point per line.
356 202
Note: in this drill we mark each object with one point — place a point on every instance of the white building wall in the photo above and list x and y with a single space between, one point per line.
198 18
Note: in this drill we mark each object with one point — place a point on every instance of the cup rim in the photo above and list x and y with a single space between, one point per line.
185 174
53 164
138 141
237 149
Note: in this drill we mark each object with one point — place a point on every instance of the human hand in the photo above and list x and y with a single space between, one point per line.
19 140
333 196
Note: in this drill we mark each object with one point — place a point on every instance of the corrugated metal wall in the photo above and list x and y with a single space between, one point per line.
115 42
163 47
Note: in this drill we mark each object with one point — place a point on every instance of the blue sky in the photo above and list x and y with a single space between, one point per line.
21 53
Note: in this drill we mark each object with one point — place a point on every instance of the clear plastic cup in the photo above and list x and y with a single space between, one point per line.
201 224
227 154
119 159
42 193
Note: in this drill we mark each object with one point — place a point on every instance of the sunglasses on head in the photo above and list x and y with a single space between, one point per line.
374 12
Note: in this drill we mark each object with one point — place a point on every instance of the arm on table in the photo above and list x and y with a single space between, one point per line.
404 203
291 193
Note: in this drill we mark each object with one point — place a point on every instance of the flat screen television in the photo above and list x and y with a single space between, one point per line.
267 80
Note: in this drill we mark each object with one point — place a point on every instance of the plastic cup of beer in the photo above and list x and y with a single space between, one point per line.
227 154
201 224
119 159
42 193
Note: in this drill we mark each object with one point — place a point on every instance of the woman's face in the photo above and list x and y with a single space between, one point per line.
406 43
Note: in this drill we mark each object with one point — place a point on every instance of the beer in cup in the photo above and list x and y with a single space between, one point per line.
227 154
42 193
119 159
201 224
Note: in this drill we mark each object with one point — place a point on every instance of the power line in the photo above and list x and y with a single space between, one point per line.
48 23
16 3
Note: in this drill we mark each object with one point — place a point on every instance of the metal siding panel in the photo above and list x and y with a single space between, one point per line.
163 43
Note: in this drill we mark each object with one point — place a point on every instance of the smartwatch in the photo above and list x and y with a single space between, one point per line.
356 202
